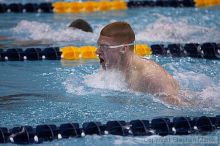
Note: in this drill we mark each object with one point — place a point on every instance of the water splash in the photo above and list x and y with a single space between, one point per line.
201 89
111 79
33 30
165 29
192 80
72 87
78 83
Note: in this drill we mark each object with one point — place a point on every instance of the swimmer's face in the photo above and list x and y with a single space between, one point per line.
109 57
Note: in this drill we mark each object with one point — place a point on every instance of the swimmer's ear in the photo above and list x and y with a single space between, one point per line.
124 49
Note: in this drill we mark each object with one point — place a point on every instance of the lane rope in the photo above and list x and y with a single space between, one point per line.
207 50
62 7
157 126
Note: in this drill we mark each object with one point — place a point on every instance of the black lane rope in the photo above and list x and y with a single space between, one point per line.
47 7
206 51
158 126
29 8
161 3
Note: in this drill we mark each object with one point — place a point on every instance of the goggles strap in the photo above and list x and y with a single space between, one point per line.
117 46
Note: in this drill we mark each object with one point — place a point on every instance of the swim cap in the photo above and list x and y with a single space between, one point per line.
81 24
120 32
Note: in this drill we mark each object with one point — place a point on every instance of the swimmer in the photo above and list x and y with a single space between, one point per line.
76 24
116 51
82 25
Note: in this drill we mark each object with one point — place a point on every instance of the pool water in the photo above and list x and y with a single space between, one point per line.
55 92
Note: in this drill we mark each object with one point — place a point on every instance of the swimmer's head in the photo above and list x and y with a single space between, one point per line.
81 24
120 32
115 41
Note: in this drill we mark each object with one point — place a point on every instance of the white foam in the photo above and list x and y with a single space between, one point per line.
164 29
211 92
72 87
110 79
205 92
194 80
209 97
34 30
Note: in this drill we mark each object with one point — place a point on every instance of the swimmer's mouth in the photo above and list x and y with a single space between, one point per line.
102 62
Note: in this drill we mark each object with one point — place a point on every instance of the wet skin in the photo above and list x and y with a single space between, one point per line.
141 75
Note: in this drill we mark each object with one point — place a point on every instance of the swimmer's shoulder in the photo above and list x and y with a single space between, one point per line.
149 64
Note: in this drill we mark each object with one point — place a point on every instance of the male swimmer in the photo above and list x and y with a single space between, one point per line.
82 25
116 51
76 24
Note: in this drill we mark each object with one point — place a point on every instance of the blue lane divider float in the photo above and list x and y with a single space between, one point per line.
28 7
205 50
157 126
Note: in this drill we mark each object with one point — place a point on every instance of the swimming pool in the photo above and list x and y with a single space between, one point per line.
44 92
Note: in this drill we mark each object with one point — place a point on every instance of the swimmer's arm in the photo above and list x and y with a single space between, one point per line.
179 101
156 86
172 99
5 38
25 43
22 43
159 89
